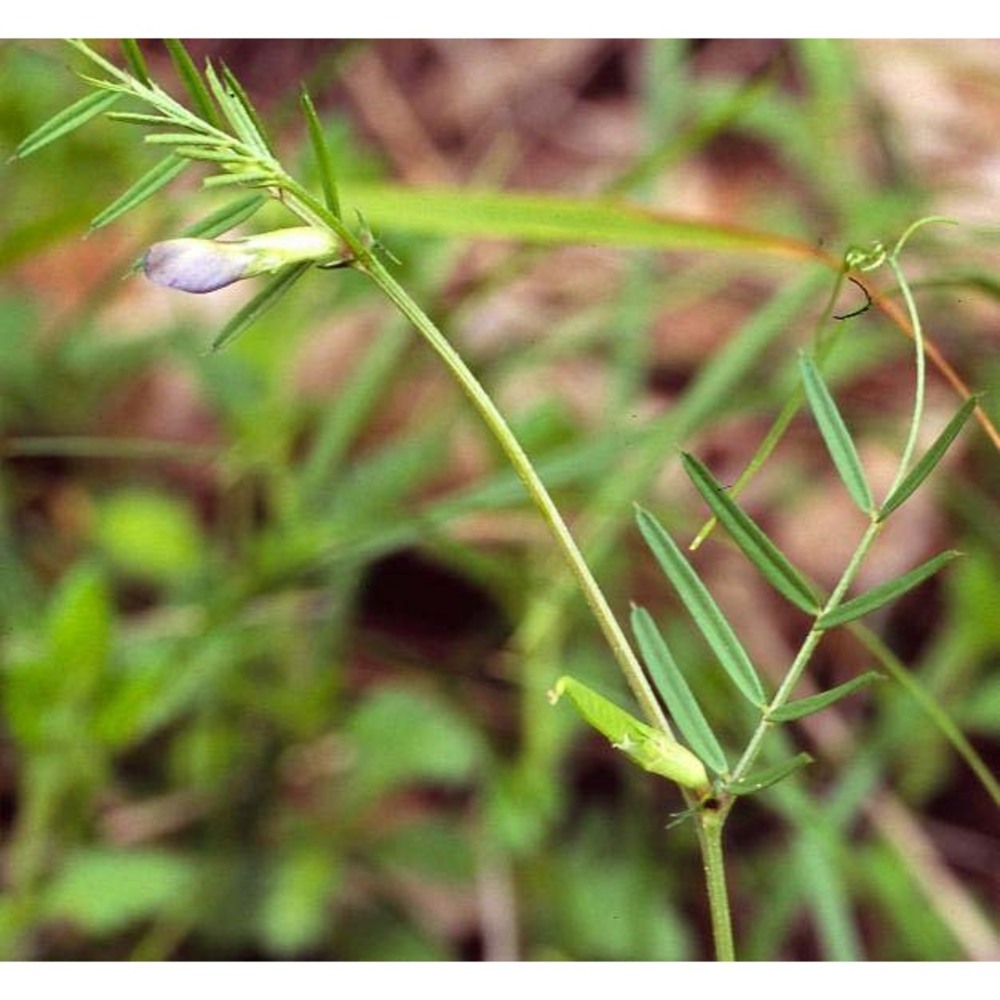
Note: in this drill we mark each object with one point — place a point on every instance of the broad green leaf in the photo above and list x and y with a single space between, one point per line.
652 750
817 702
79 631
399 736
883 594
836 435
259 304
149 535
147 185
191 78
227 217
324 159
298 885
929 461
674 690
135 59
105 891
702 607
768 776
77 114
757 547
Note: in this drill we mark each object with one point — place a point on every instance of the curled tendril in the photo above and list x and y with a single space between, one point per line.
862 259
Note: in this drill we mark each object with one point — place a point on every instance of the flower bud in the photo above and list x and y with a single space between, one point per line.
195 265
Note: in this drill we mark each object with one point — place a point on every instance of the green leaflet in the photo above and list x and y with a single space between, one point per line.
135 59
324 159
817 702
673 689
236 108
652 750
145 187
227 217
702 607
836 435
259 304
929 461
768 776
77 114
883 594
247 177
242 98
138 118
193 83
756 546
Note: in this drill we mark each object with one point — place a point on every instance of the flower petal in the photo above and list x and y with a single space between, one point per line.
194 265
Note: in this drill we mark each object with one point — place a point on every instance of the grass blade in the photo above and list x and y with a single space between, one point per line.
145 187
756 546
553 219
77 114
188 74
768 776
836 435
702 607
882 595
930 707
321 149
674 690
817 702
929 461
259 304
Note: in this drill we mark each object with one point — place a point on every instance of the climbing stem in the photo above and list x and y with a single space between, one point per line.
536 489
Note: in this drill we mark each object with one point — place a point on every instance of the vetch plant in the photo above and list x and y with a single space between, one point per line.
676 740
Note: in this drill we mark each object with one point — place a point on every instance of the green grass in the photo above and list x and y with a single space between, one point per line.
274 659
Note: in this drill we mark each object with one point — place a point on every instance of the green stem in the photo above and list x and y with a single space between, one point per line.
709 823
804 654
710 828
536 489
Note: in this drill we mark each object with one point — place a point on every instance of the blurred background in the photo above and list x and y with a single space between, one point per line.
277 624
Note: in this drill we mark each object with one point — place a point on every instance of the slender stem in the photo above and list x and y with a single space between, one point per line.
710 838
522 465
709 823
806 650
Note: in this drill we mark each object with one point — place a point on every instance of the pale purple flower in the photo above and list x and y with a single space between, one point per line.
196 265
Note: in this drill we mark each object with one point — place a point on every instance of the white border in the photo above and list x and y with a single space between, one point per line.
499 18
